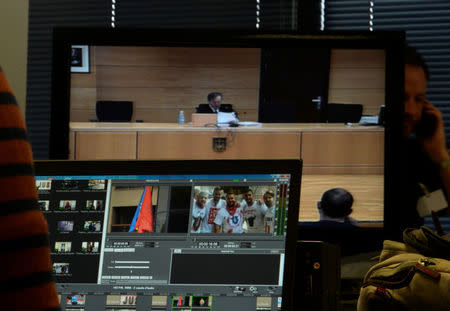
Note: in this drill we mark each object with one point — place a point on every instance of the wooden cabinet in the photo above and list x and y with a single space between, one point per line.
105 146
324 148
199 145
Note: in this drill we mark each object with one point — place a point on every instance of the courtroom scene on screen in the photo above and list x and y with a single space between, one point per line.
281 85
336 96
234 209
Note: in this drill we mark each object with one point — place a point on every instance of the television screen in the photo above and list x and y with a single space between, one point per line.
266 77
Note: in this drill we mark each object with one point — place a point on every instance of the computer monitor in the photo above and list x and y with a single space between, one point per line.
267 77
172 235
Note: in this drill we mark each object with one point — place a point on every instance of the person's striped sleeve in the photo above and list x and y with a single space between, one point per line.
26 281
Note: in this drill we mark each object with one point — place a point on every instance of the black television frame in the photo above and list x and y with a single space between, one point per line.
197 167
391 41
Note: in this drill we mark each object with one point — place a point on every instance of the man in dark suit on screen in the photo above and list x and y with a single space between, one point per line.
214 104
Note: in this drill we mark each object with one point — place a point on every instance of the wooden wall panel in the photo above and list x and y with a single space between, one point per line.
343 149
83 99
83 115
178 56
358 77
161 81
83 92
177 77
180 78
105 146
344 58
158 98
175 145
371 99
163 104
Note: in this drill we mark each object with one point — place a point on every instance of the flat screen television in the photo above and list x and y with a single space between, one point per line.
266 77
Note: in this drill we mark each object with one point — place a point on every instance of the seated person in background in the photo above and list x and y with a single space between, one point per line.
335 208
214 104
229 219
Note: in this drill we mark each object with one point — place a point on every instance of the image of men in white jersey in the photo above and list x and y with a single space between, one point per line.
213 206
199 215
229 219
254 212
269 216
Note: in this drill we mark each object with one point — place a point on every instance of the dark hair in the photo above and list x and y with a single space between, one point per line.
336 202
414 58
213 95
217 188
270 193
248 190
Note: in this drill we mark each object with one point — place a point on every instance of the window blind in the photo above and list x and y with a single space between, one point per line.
346 15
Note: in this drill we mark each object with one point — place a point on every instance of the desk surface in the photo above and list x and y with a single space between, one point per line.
265 127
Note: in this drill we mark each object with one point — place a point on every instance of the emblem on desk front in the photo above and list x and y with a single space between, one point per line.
219 144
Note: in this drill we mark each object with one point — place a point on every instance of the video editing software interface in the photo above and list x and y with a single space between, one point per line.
167 242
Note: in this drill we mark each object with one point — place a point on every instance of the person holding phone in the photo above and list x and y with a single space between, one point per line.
427 162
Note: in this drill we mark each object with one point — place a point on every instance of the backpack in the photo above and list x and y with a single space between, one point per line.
414 275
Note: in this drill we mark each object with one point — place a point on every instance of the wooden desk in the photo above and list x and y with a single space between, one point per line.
324 148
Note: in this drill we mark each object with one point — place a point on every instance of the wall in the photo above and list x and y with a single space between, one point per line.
160 81
358 77
14 42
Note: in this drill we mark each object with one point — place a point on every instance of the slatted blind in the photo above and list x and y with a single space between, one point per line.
427 27
278 14
346 15
201 14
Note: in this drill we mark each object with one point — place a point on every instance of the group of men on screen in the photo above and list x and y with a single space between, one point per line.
217 215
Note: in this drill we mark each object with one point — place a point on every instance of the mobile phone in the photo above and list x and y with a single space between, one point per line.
426 127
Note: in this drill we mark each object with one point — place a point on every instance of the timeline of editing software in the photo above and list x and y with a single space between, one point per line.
167 242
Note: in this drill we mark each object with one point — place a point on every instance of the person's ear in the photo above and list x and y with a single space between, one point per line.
318 204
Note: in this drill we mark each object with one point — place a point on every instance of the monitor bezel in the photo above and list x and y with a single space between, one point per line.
198 167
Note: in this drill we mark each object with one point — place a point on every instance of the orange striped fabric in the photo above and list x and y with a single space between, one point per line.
26 281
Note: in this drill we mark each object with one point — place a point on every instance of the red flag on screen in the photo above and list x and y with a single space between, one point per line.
145 219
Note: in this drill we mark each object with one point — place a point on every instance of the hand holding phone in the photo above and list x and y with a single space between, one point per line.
427 125
430 133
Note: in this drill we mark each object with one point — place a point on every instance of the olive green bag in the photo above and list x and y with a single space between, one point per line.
414 275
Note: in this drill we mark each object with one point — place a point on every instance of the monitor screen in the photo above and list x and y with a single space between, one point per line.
173 239
266 77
